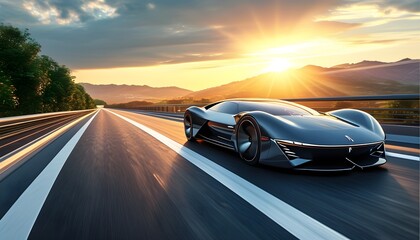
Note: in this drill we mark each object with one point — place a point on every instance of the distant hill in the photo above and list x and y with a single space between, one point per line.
127 93
294 84
363 78
364 63
405 71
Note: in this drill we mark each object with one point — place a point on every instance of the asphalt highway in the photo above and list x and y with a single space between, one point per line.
124 175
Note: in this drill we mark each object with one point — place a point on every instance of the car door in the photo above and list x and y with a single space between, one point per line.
221 121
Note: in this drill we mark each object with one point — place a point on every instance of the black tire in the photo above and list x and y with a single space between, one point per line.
188 127
248 139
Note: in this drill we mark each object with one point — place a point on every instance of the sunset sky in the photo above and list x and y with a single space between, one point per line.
198 44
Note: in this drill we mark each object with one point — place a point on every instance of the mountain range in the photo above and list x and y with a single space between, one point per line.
349 79
112 93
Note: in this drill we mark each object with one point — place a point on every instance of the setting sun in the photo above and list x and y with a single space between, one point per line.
278 65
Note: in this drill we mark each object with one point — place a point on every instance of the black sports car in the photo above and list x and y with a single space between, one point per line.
289 135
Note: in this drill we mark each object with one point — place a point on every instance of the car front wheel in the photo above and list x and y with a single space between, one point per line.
249 140
188 127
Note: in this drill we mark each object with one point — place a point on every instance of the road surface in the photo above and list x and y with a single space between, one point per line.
124 175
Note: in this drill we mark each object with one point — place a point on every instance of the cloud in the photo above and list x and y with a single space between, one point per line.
99 9
124 33
369 14
151 6
381 41
408 5
47 14
60 12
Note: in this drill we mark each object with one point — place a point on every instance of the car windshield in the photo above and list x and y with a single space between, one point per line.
276 108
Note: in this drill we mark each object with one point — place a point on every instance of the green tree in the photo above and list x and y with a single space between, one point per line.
30 83
89 102
8 100
18 54
99 102
60 86
80 99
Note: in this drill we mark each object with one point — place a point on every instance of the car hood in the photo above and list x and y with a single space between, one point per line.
324 130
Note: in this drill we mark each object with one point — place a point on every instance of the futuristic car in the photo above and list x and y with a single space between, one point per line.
289 135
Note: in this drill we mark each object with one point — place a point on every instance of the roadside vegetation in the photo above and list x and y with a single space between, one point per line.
99 102
33 83
141 104
131 105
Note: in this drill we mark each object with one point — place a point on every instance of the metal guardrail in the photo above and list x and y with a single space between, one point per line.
17 131
400 109
360 98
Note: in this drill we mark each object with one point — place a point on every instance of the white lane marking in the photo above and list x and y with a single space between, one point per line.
152 114
403 156
17 223
402 138
294 221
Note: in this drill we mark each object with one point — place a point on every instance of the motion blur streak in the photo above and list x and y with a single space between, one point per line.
16 155
403 156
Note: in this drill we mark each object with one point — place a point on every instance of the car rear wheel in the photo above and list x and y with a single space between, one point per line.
188 127
248 138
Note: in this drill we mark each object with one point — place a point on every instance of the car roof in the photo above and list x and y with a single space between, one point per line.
252 100
256 100
249 100
262 100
